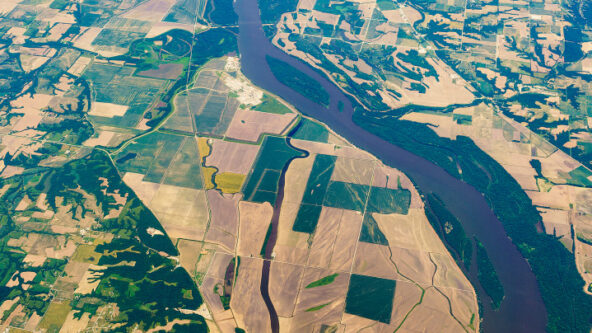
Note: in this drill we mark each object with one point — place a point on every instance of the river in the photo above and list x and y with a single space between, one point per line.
522 309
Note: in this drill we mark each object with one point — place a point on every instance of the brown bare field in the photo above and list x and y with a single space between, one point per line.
347 239
432 315
87 284
30 62
164 71
333 293
188 254
152 10
414 264
411 231
248 125
556 221
463 304
448 274
101 140
254 221
326 232
232 157
284 282
182 211
353 171
557 198
65 249
296 178
73 324
407 294
224 210
206 255
108 110
211 298
374 260
219 264
247 304
145 190
386 177
291 246
34 260
74 271
222 238
160 28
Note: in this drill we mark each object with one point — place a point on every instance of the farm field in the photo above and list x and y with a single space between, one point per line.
150 182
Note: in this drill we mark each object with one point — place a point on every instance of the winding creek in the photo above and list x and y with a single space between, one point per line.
522 309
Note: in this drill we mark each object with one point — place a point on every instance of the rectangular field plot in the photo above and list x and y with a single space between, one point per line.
387 201
311 131
319 179
371 232
115 85
307 218
262 183
346 196
144 155
314 194
370 297
216 115
185 168
185 104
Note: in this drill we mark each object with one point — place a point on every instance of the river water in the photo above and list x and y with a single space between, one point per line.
522 309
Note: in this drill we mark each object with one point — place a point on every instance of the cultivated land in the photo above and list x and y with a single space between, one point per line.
140 170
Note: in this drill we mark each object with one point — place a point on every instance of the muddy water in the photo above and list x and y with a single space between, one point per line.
522 309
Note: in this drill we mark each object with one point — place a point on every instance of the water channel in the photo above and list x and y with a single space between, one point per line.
522 309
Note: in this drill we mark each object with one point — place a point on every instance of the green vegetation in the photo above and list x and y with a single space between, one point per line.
559 281
316 187
323 281
272 10
55 316
163 158
272 105
311 131
450 230
346 195
222 12
370 297
488 277
267 235
371 232
386 4
298 81
316 308
388 201
263 181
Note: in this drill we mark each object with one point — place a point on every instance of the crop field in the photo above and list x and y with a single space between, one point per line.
262 182
114 84
311 131
370 297
150 155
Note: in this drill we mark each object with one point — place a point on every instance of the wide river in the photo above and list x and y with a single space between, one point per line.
522 309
